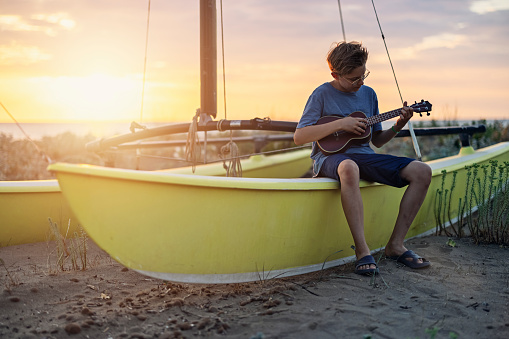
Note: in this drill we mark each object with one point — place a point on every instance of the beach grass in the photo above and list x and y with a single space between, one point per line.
482 207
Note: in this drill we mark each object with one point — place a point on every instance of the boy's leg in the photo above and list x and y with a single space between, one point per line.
418 175
353 208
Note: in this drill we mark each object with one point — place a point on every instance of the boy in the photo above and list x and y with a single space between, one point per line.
345 94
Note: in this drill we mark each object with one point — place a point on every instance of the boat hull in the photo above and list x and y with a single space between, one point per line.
27 206
206 229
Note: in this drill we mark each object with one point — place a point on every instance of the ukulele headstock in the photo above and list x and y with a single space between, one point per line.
422 106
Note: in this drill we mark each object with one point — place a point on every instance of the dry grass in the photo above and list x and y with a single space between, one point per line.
12 279
69 253
20 159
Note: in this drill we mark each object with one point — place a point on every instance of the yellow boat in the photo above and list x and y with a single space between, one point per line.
205 229
25 209
26 205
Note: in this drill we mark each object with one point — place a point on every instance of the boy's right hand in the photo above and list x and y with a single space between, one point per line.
352 125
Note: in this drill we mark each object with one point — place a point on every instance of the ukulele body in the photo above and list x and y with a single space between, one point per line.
340 141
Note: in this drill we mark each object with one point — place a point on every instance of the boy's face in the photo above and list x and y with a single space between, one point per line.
352 81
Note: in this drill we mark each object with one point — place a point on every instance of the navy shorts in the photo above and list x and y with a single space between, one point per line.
381 168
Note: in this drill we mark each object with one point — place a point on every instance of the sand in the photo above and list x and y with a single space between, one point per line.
465 294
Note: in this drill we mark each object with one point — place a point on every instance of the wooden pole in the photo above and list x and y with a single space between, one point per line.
208 58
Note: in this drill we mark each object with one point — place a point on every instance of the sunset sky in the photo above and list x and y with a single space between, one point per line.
82 60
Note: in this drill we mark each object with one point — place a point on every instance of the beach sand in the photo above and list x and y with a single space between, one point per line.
465 293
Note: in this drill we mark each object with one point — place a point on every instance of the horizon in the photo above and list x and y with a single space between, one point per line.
82 61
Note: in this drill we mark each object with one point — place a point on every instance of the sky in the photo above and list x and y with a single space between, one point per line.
83 60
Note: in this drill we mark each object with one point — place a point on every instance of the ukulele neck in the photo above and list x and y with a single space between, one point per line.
384 116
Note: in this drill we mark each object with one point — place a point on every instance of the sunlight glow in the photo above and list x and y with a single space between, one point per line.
96 97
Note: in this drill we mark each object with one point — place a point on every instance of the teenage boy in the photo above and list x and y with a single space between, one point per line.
343 95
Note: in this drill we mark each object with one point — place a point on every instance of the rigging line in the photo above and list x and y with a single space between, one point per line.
387 50
48 159
341 18
234 168
145 64
410 127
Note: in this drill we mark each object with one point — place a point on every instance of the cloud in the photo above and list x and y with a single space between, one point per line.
487 6
60 19
15 23
444 40
46 23
15 54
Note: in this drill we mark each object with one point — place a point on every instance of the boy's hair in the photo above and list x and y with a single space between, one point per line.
344 57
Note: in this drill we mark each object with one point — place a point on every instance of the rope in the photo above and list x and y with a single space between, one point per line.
145 64
234 167
410 127
46 157
192 147
341 18
220 125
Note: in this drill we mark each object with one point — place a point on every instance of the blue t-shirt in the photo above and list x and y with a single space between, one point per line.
327 100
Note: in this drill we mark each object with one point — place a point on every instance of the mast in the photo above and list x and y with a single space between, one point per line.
208 58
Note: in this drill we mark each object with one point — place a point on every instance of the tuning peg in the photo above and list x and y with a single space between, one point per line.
420 114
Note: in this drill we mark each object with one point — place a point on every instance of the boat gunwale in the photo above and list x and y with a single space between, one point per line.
254 162
30 186
457 162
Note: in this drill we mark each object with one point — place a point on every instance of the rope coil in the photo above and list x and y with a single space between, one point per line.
192 143
234 167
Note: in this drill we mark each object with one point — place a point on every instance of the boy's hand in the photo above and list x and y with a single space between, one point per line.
406 114
353 125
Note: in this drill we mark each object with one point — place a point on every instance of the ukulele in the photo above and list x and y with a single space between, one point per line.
340 141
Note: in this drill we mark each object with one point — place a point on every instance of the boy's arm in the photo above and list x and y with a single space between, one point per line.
380 138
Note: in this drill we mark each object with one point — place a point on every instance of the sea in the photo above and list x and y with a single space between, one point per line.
37 131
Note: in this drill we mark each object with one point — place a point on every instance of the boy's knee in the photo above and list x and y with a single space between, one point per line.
348 169
421 173
426 173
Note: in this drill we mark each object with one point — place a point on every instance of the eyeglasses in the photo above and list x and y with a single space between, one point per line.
355 81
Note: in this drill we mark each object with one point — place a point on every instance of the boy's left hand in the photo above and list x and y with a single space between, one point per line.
406 114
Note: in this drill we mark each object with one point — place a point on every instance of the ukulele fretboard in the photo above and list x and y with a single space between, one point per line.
382 117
